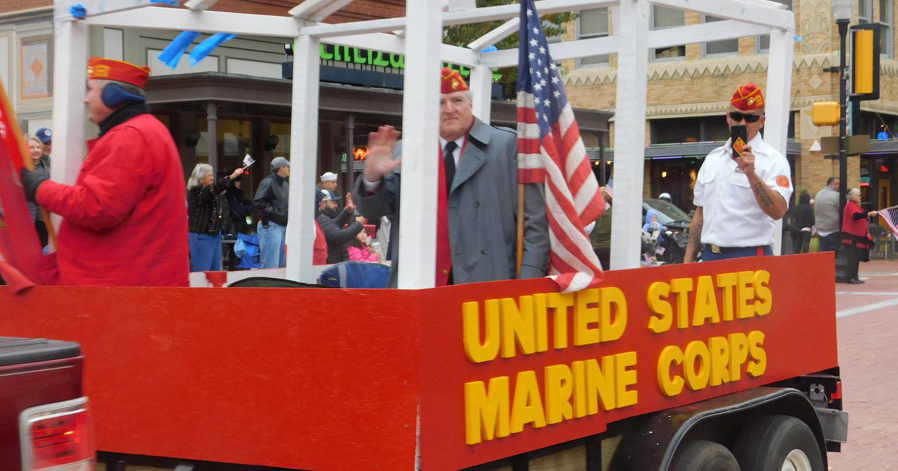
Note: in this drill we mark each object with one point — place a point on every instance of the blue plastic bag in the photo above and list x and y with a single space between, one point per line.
355 275
247 249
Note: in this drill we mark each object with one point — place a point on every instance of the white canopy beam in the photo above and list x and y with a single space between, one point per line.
182 19
200 4
477 15
420 128
559 51
303 161
96 7
318 10
629 132
756 12
505 30
703 32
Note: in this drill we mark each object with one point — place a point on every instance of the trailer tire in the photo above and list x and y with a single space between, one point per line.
778 442
704 455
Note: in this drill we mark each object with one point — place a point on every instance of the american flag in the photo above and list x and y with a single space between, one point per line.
550 151
890 216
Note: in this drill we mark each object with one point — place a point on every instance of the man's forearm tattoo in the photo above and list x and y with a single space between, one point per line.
695 234
760 191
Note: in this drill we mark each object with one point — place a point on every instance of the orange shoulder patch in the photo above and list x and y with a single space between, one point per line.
782 181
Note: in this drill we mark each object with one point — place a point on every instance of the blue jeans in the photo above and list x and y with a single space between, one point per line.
271 244
205 251
709 256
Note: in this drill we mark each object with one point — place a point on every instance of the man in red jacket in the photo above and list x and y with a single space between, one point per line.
125 218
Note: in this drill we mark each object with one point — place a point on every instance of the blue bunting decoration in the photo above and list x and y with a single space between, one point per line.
172 54
201 50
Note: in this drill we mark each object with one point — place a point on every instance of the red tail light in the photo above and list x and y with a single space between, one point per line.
838 393
57 436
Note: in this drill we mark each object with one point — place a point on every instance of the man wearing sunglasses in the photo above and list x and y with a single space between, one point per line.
739 196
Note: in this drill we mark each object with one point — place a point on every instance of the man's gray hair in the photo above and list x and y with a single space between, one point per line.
853 192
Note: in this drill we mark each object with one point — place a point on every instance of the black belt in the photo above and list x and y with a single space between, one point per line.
718 249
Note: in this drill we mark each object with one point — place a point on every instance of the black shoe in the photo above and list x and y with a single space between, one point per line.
855 281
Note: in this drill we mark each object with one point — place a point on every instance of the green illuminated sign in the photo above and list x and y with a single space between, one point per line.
355 55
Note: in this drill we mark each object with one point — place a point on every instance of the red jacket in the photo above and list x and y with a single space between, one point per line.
125 218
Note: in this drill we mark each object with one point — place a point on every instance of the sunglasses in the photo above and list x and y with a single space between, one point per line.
748 117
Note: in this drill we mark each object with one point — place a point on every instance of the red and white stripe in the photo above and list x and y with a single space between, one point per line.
573 199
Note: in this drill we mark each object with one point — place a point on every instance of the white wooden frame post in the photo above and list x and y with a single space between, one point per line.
303 160
69 88
420 128
629 132
422 45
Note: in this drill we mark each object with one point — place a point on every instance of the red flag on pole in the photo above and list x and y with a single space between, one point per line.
20 247
550 151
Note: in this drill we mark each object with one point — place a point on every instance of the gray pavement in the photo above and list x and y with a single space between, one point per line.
868 349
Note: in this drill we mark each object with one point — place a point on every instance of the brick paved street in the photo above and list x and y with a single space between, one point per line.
868 352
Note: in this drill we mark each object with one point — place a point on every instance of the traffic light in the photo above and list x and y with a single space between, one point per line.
865 62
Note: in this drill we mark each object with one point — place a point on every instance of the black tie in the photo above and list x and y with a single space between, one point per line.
449 163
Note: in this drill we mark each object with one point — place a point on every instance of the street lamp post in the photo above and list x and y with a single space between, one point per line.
842 10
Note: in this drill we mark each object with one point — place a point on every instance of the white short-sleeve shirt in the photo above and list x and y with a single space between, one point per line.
731 215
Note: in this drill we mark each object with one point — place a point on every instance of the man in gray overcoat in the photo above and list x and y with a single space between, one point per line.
477 203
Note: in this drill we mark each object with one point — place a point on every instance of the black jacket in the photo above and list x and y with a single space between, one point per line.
273 199
239 207
801 215
337 238
204 208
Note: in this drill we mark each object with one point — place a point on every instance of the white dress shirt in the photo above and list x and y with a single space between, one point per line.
731 214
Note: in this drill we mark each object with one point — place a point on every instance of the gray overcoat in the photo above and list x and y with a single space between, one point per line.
482 211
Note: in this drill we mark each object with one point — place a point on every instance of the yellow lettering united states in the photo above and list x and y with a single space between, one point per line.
509 327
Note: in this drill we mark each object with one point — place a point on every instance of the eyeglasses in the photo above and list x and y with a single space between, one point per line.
748 117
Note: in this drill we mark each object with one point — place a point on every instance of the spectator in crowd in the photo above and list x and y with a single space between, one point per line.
332 222
328 181
359 250
41 165
739 195
46 137
204 213
124 219
826 215
801 222
272 202
477 195
855 235
240 208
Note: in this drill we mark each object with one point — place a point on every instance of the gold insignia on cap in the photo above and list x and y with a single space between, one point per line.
454 84
98 71
751 101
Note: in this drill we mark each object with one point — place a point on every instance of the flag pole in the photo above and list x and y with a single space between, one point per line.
520 222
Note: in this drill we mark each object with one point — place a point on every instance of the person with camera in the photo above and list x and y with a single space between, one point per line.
125 218
741 188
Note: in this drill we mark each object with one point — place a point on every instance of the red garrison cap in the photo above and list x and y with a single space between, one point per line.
451 81
100 68
748 97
